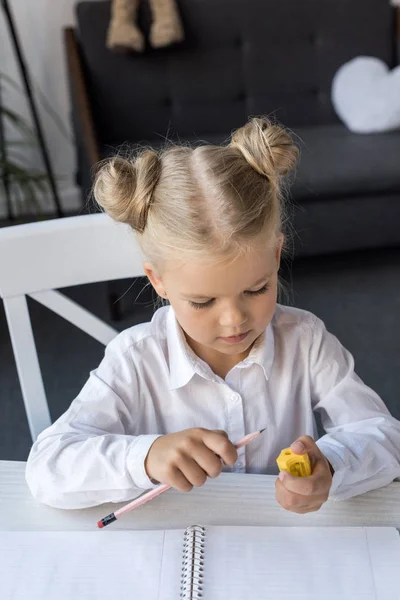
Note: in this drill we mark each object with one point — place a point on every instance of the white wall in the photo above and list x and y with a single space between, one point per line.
39 24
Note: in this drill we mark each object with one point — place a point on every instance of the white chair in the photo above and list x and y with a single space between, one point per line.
37 258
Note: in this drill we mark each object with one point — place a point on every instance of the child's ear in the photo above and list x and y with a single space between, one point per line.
154 279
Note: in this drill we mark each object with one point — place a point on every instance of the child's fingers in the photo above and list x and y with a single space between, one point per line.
219 443
207 460
220 431
194 474
185 459
296 502
303 510
177 480
318 482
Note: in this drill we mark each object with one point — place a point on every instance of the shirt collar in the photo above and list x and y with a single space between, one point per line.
184 363
181 362
262 352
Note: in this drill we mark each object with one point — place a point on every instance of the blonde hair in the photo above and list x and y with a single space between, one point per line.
210 200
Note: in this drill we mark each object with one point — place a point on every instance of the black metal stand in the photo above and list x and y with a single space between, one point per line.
34 112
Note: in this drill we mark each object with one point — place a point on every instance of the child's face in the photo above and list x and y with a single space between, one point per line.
222 307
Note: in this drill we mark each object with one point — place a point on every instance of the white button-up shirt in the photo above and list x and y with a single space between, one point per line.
151 383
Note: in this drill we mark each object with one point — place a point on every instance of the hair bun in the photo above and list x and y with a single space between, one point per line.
268 148
124 188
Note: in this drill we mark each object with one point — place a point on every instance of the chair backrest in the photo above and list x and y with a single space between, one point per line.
239 58
38 258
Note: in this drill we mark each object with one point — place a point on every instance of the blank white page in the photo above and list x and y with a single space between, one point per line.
306 563
73 565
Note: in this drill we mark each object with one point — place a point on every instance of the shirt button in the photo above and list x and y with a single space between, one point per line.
235 399
238 464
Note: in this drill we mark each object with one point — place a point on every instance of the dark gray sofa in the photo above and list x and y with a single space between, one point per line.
242 58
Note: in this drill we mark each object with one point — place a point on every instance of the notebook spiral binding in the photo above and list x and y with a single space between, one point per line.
193 563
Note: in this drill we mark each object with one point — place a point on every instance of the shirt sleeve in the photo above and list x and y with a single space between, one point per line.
362 440
87 457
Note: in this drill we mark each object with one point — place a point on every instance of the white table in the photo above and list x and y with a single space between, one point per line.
231 499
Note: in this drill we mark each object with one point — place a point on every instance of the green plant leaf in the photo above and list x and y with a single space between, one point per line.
16 155
11 82
25 195
32 198
18 122
56 118
27 184
19 143
19 172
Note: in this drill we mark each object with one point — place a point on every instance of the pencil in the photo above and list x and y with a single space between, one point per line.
160 489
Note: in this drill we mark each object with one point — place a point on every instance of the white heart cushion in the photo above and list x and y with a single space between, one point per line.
366 95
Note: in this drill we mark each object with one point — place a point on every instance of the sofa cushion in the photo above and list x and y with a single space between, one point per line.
336 163
343 224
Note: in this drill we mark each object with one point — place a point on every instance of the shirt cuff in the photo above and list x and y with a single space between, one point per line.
337 463
136 458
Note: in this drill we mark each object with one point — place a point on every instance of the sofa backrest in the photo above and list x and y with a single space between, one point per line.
239 58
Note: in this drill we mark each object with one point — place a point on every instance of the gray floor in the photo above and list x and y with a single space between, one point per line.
357 295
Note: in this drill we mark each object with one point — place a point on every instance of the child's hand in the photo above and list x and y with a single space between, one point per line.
305 494
185 459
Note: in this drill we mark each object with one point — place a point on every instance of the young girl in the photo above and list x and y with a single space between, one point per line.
224 359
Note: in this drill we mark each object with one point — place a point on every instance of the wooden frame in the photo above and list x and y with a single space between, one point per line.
79 96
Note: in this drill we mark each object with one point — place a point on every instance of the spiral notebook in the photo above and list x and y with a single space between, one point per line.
207 563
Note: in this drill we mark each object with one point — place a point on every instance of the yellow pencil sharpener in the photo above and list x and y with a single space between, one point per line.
296 464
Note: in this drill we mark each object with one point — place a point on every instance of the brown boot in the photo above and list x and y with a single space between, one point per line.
167 26
123 33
